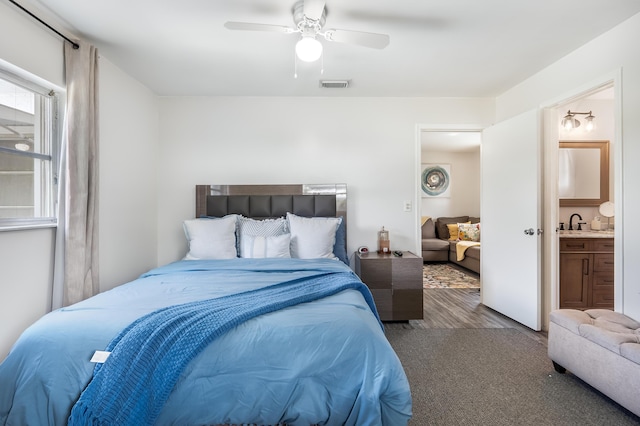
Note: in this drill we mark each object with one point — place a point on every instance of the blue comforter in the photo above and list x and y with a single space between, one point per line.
322 362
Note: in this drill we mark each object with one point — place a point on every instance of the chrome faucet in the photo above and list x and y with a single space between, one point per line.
571 221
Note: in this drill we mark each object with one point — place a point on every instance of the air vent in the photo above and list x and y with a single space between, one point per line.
334 84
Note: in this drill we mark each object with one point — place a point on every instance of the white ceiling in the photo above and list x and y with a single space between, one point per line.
455 48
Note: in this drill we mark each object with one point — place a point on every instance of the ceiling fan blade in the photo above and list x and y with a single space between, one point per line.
247 26
373 40
313 9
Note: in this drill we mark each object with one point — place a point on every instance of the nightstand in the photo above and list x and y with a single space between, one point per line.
395 283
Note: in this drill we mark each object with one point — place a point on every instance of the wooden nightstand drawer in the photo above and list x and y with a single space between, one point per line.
407 304
395 283
375 272
384 303
406 272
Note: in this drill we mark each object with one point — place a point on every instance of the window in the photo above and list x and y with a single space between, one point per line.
28 153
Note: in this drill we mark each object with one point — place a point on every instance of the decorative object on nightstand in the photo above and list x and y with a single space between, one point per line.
383 241
395 283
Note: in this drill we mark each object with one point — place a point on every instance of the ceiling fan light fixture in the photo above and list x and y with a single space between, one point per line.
308 49
22 146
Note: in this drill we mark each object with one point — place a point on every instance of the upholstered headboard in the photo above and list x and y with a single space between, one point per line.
273 201
264 201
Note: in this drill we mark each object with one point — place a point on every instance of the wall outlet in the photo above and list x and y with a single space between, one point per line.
407 206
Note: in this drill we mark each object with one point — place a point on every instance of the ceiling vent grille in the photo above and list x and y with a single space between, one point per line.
334 84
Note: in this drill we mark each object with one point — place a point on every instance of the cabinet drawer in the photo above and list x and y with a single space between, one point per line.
602 299
603 262
384 303
575 244
603 279
603 245
407 273
407 305
375 273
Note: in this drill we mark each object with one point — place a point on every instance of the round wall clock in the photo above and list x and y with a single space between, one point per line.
435 180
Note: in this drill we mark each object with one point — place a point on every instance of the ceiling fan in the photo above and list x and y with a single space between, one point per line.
309 18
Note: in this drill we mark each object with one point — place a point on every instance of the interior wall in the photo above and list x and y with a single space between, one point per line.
607 54
128 177
30 47
367 143
465 184
26 268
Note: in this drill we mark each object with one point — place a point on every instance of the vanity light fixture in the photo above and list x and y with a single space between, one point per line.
570 122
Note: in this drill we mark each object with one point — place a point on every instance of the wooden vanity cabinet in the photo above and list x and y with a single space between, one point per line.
586 273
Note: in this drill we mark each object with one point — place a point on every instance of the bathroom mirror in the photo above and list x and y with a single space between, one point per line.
583 173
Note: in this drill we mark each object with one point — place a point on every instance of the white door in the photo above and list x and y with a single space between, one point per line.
510 213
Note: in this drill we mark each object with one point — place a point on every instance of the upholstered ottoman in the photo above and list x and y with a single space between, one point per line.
602 348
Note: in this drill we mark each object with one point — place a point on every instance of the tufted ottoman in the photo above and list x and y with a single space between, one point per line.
602 348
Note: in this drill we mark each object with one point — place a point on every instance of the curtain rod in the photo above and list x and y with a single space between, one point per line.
73 43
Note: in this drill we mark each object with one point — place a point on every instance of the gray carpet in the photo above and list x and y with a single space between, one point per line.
494 377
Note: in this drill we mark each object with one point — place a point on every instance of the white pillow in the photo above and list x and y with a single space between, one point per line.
263 228
258 246
211 238
313 237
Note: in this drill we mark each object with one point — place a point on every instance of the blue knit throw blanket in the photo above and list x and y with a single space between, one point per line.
148 356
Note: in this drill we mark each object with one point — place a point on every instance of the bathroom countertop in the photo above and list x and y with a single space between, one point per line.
586 234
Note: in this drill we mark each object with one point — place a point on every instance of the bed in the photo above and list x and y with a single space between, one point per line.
265 339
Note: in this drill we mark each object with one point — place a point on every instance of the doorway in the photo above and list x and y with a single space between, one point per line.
459 151
603 100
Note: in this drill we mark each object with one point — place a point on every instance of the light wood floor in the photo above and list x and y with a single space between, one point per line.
461 308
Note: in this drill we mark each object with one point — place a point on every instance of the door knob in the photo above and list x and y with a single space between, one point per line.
529 231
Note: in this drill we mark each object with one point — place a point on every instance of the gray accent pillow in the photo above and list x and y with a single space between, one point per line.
429 229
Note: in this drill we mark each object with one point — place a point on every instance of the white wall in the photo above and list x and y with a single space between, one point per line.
128 177
26 268
614 50
367 143
465 184
30 47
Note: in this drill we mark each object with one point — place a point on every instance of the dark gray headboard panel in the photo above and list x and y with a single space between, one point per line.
263 201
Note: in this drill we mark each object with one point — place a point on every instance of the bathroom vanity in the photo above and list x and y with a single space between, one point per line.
586 269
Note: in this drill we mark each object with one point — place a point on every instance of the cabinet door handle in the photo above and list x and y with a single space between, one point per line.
585 266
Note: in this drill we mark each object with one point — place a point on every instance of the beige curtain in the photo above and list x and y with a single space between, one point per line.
76 266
